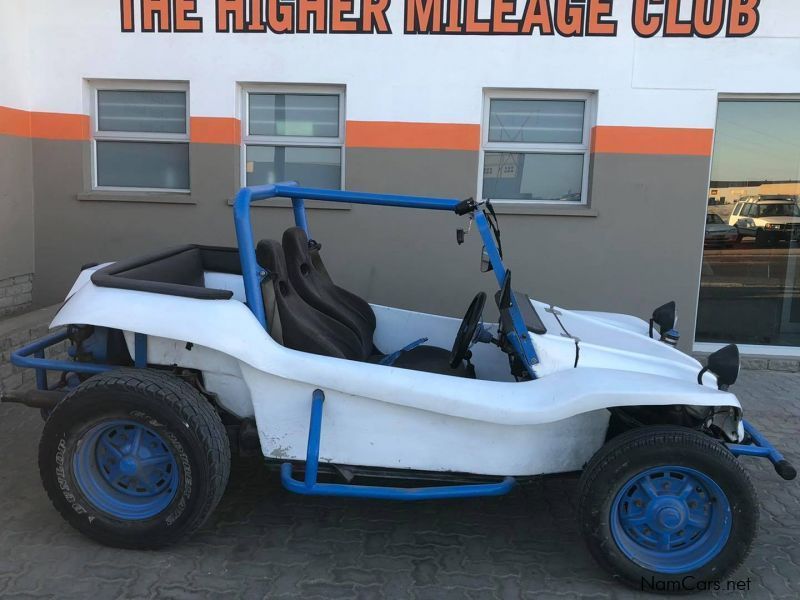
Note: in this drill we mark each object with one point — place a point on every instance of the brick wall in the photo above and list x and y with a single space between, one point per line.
17 331
15 294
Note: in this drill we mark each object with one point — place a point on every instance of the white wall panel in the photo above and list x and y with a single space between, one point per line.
657 81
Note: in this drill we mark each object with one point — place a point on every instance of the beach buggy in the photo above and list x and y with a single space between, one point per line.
180 357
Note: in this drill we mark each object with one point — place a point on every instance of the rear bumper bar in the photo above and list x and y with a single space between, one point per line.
760 446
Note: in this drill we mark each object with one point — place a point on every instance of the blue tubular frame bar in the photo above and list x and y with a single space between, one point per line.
32 357
522 341
763 448
310 487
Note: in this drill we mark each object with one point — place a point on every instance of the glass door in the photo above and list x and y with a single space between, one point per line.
750 283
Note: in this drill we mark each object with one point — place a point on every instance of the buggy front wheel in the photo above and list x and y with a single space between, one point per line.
667 509
134 458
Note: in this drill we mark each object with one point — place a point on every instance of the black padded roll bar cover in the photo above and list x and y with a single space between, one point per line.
465 206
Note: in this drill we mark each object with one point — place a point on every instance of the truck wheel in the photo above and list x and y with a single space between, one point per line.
667 509
134 458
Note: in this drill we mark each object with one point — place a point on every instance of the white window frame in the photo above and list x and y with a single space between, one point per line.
135 136
589 99
285 140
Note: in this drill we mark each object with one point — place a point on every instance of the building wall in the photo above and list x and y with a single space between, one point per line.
414 112
16 174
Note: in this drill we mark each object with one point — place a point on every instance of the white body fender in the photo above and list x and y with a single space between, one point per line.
384 416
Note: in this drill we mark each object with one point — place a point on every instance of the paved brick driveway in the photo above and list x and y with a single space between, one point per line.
264 542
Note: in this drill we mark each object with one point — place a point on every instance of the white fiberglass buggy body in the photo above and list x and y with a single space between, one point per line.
551 424
230 338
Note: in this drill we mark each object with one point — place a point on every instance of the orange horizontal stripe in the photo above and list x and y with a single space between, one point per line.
216 130
15 122
425 136
59 126
652 140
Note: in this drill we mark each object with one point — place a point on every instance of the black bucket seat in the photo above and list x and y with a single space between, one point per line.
315 315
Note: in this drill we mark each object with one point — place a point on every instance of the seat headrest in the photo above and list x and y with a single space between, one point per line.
269 255
295 243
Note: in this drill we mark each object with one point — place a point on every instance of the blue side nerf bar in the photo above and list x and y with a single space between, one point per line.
310 487
763 448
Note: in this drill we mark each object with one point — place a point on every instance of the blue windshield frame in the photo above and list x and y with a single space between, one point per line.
253 274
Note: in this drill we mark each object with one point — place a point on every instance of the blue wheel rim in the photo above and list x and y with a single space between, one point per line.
671 519
126 470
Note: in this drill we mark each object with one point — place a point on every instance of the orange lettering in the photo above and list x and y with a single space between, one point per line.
126 14
500 10
711 27
373 16
453 17
226 8
423 16
743 18
674 27
184 19
472 23
153 8
537 15
317 8
597 22
280 16
569 18
256 21
645 24
340 23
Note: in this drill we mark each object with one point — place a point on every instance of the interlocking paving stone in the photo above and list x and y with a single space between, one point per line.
263 542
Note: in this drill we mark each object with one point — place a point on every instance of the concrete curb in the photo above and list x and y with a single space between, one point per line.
762 363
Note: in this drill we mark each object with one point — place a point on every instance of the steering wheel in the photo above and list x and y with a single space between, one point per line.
467 330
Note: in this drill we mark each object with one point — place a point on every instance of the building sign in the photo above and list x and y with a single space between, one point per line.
565 18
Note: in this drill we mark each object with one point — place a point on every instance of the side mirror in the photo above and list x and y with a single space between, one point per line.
486 264
664 317
724 363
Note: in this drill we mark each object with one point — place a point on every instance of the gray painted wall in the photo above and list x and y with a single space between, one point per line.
16 207
643 247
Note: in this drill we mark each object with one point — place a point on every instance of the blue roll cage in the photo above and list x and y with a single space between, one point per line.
253 274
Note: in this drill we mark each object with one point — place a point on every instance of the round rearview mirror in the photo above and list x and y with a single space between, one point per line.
724 363
664 317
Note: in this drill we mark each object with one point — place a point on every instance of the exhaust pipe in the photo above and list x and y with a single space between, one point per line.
46 399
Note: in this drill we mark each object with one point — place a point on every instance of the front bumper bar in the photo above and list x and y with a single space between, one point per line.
760 446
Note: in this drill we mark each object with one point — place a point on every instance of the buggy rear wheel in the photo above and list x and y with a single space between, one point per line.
667 509
134 458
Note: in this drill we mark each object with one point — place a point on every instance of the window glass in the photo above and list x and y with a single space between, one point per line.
141 111
294 115
532 176
750 284
311 166
143 165
536 121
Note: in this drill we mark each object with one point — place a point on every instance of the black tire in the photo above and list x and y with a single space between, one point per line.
619 462
193 438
